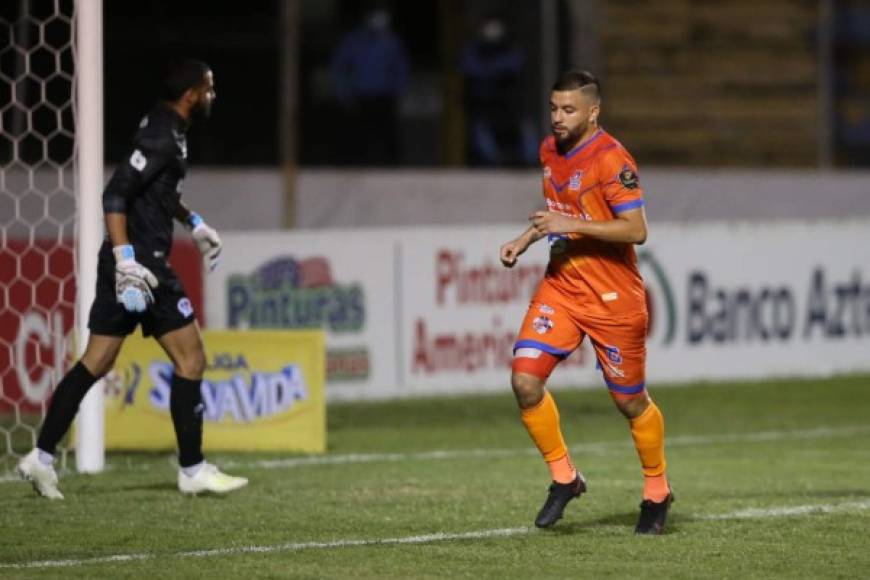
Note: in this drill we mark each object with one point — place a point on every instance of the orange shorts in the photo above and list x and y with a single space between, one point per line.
552 325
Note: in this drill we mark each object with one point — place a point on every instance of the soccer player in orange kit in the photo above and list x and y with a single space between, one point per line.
592 287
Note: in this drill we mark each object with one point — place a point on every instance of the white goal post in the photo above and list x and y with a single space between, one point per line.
90 446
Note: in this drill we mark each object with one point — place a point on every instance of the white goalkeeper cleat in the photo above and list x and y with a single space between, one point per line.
42 476
209 479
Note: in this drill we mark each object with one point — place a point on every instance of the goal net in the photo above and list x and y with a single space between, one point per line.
38 157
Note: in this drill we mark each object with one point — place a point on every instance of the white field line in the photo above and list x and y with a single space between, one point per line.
448 454
760 513
781 512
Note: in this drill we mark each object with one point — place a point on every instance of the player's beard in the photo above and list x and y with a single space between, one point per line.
201 111
566 141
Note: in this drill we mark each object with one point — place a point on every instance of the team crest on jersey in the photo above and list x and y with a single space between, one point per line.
545 309
542 325
185 307
574 183
628 178
138 161
547 172
144 122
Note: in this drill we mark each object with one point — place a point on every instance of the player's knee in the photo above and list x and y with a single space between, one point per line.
98 367
631 406
531 368
528 389
192 364
99 362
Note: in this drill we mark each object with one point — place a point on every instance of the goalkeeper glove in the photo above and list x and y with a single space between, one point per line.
133 281
207 240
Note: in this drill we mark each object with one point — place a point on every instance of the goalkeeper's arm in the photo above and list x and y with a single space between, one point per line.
206 238
133 281
183 213
116 226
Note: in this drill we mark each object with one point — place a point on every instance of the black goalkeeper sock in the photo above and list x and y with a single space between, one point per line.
64 406
185 405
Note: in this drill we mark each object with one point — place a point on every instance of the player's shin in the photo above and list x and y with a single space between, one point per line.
186 408
64 406
648 433
542 424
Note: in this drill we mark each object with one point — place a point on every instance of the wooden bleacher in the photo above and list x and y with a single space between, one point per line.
712 83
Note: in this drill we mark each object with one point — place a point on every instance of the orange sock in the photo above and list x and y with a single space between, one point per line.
648 432
655 487
562 470
542 423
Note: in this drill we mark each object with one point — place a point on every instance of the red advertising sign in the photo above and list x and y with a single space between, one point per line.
37 301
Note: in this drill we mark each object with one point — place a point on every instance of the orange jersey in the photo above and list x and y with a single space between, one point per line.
595 181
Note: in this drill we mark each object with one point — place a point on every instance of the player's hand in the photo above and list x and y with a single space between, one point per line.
207 240
509 252
548 222
133 281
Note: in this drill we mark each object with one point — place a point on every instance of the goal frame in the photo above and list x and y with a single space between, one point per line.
88 44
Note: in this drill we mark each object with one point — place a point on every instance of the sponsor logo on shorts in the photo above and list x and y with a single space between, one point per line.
542 325
614 359
613 355
615 371
547 172
185 307
544 309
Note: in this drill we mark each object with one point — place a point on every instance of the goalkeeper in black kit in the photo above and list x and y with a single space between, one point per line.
136 285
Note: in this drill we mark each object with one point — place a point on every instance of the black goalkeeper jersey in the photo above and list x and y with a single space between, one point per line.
146 186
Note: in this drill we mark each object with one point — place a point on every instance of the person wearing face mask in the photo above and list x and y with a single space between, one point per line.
370 73
498 131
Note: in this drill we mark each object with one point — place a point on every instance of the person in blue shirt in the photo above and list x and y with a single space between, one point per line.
370 69
499 132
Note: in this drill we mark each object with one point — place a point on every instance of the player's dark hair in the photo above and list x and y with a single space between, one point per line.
181 76
582 80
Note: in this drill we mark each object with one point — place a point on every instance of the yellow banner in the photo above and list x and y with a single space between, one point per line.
262 390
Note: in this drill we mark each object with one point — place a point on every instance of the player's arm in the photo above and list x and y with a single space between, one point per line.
133 281
628 227
206 238
116 228
183 213
510 251
131 177
127 183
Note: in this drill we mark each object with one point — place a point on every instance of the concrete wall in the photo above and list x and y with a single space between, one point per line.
252 199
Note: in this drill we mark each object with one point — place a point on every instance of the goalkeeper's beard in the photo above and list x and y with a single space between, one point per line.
200 111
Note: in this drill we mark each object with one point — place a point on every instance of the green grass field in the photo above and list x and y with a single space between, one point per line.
772 481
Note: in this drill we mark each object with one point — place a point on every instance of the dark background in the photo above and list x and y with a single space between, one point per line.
242 42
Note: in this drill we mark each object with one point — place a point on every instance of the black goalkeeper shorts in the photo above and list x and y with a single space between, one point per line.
170 311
